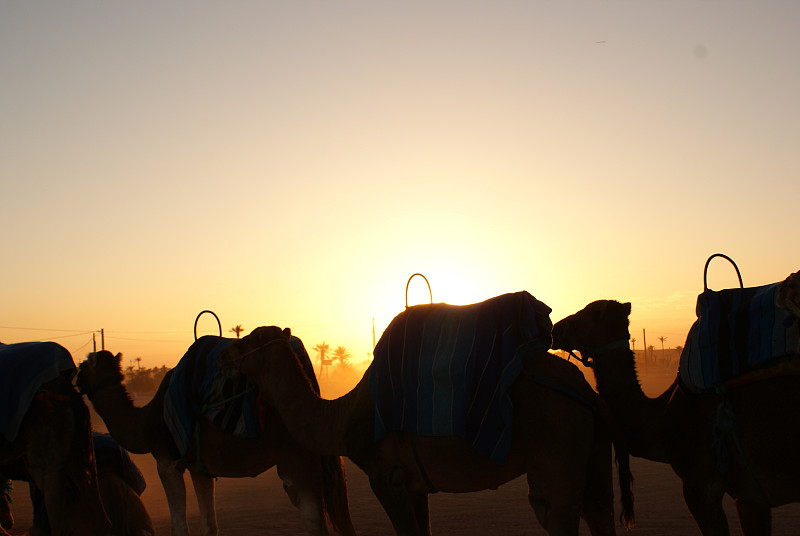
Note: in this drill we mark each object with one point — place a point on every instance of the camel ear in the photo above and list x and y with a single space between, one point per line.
627 306
119 358
287 333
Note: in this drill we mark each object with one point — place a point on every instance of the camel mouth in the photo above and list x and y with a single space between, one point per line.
559 338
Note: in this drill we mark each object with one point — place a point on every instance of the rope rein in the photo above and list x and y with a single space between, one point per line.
588 351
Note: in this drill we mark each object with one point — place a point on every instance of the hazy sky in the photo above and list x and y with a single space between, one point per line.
293 163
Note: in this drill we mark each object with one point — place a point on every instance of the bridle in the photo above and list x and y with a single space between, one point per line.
93 390
588 351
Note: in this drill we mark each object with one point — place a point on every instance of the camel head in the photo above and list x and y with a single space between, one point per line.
265 353
249 355
601 325
789 294
100 370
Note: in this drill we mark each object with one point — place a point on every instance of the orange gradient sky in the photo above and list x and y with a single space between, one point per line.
293 163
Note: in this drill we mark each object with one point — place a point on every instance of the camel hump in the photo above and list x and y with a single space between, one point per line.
737 331
446 370
24 368
198 389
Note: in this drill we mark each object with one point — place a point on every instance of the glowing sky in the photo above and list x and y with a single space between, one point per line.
293 163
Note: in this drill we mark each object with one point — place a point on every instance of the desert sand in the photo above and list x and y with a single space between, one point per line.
259 506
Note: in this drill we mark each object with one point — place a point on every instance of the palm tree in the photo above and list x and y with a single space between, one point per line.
237 330
322 349
342 354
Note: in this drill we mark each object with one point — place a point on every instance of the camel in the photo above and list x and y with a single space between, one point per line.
561 439
123 506
789 294
53 439
315 484
121 484
121 502
743 442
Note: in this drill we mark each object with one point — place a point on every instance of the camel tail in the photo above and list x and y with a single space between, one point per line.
337 507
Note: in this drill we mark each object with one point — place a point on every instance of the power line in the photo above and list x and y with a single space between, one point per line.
48 329
114 337
68 336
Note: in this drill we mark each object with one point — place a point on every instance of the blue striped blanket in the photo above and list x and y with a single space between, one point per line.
111 457
445 370
737 331
198 389
24 368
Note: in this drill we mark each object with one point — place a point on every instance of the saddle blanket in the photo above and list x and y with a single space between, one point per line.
24 368
111 457
737 331
445 370
198 389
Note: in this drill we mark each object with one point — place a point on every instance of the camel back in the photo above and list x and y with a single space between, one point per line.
24 368
198 389
445 370
737 331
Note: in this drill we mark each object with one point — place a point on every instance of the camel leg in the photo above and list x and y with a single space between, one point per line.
305 491
556 458
755 518
6 518
558 515
41 523
422 512
204 491
598 499
705 503
175 489
405 510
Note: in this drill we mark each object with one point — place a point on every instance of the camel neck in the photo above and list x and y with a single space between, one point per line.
325 427
639 417
125 421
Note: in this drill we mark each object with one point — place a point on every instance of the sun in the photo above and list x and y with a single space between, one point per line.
445 284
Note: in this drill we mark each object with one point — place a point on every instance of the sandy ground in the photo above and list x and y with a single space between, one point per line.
259 506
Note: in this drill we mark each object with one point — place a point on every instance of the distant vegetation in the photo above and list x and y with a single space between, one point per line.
144 380
330 367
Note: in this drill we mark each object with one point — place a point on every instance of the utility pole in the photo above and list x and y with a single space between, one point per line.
644 336
373 332
102 339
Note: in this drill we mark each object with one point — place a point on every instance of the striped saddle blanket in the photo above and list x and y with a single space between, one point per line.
445 370
737 331
24 368
113 458
198 389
